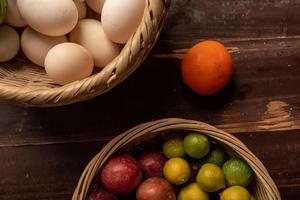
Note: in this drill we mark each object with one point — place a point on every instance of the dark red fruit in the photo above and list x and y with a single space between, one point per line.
152 164
194 172
155 189
121 175
101 196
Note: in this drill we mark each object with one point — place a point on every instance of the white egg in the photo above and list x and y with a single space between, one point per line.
13 16
36 45
49 17
95 5
120 19
89 33
81 7
68 62
9 43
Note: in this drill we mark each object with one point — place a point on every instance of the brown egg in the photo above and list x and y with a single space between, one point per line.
13 16
49 17
82 10
89 33
68 62
95 5
36 45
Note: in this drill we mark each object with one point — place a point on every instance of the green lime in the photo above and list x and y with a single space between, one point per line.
235 193
210 178
237 172
196 145
215 156
174 148
3 9
177 171
192 192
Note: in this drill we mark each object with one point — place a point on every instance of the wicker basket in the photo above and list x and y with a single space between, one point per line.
23 82
264 186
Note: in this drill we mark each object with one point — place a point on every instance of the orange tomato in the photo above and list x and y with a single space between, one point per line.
207 67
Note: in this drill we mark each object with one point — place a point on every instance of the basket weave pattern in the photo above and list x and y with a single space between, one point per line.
265 188
23 82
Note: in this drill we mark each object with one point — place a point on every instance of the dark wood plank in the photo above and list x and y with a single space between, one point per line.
290 192
279 152
45 172
263 95
43 151
193 19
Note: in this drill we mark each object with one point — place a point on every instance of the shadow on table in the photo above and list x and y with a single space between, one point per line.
154 91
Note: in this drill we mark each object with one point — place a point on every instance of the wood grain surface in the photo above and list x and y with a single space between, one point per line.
43 151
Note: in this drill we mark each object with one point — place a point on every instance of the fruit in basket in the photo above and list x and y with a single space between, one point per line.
210 178
13 16
195 166
89 34
192 192
177 171
196 145
121 175
120 19
9 43
152 164
173 147
155 188
36 45
101 196
68 62
235 193
237 172
215 156
207 67
49 17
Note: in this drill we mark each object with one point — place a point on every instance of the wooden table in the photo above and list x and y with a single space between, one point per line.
43 151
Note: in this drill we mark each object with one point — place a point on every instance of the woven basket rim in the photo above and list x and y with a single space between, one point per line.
266 186
132 55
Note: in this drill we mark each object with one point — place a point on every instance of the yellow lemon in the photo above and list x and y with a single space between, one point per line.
173 148
252 197
210 178
177 171
192 192
235 193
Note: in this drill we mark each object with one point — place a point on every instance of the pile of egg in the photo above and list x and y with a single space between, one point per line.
57 35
